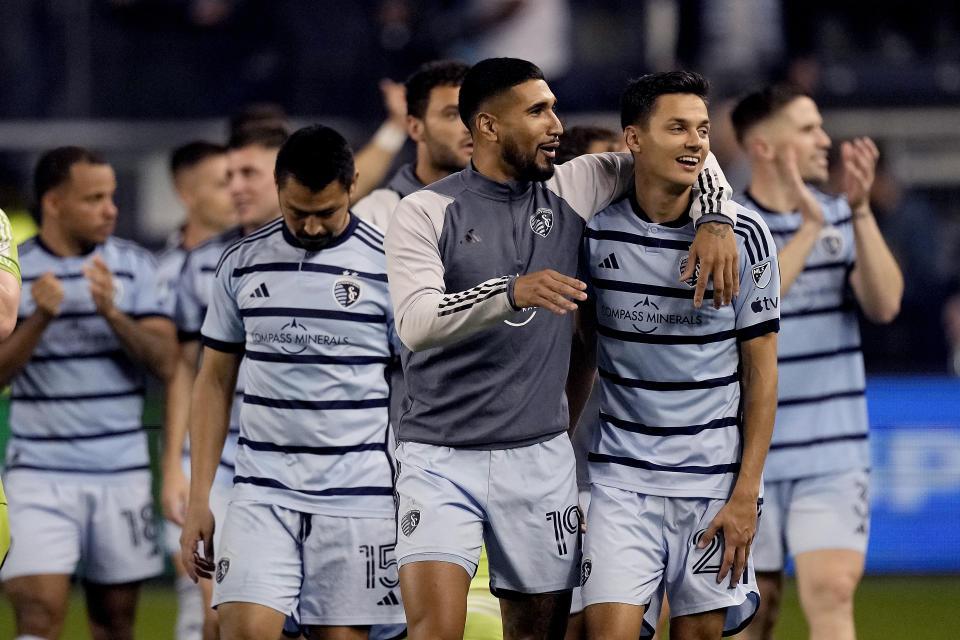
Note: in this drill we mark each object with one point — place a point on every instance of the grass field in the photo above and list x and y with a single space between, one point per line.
887 608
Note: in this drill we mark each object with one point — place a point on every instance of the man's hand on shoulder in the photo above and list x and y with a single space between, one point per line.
715 248
548 289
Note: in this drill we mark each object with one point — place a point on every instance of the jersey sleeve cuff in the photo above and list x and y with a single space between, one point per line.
714 217
759 329
220 345
151 314
188 336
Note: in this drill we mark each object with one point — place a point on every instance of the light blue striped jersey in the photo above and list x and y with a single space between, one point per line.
316 330
192 297
169 264
669 372
76 406
822 411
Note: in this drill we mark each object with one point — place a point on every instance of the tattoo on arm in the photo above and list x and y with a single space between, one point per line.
718 229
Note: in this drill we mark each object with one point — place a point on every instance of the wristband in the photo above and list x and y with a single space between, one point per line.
390 137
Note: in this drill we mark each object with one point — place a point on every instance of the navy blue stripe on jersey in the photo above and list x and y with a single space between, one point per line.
188 336
645 289
817 355
820 441
816 311
220 345
791 231
79 397
373 244
324 314
732 467
34 467
318 451
306 266
756 236
743 233
653 338
319 405
759 329
825 266
633 238
151 314
111 354
208 268
287 358
654 385
366 226
268 229
84 436
636 427
789 402
128 275
333 491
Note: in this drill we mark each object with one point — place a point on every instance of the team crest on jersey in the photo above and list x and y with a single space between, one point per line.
346 292
682 266
831 240
585 568
761 274
542 222
409 522
222 567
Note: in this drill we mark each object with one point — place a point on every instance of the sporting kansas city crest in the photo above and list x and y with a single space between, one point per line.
346 292
542 222
682 266
409 521
222 567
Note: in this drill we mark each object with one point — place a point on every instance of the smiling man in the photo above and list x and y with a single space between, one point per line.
304 303
481 269
676 468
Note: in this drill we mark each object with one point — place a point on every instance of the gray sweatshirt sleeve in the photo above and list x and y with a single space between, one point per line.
591 182
426 315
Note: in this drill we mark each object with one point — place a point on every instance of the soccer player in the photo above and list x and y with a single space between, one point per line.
303 301
831 254
484 455
199 172
9 301
78 470
583 139
443 141
251 154
676 470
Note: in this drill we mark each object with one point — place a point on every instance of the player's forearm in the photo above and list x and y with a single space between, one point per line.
794 254
711 195
9 302
373 161
151 341
17 349
209 422
876 279
178 404
759 379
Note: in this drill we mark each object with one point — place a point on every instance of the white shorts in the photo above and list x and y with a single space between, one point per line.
321 570
638 546
58 521
521 502
812 514
219 498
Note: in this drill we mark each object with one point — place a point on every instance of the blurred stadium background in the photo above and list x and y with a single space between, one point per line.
135 78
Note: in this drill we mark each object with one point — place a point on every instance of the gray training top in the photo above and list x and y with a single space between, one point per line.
481 373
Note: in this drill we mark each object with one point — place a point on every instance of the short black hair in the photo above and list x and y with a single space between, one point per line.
760 105
269 136
577 140
315 156
640 97
192 154
488 79
439 73
253 116
53 169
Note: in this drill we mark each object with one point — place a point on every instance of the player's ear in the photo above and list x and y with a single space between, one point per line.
50 204
487 126
631 136
762 148
353 185
414 128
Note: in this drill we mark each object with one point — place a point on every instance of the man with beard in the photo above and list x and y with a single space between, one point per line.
303 302
483 454
443 141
